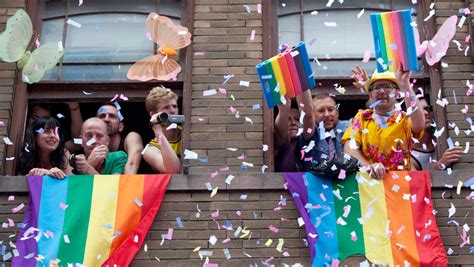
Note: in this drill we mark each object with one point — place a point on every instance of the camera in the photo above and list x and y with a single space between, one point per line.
72 163
164 118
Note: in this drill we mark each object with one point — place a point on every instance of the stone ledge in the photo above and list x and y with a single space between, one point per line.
243 181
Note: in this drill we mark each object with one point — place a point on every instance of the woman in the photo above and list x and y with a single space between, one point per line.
44 152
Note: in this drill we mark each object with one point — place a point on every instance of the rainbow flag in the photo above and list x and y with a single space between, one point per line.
91 220
394 41
389 221
287 74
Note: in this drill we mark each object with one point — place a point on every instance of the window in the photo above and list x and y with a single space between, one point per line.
112 36
97 56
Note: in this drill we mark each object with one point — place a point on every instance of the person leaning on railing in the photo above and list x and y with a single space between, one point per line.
381 137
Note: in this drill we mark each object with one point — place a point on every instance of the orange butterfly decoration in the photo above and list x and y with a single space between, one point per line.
169 37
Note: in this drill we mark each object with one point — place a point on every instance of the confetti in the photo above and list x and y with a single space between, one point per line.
461 21
360 13
367 54
7 141
273 229
74 23
330 24
18 208
229 179
252 35
451 210
259 8
244 83
214 191
209 92
80 2
188 154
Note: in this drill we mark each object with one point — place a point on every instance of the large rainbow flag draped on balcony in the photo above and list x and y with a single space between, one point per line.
389 221
91 220
394 41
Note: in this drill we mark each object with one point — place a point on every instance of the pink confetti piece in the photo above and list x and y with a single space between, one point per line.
169 235
335 263
233 109
465 109
273 229
467 39
49 234
252 35
286 254
123 97
63 206
367 54
164 59
18 208
11 198
241 157
239 213
353 236
322 197
80 2
148 36
225 241
259 8
467 11
342 174
11 223
222 91
199 53
37 43
214 174
215 214
115 97
224 169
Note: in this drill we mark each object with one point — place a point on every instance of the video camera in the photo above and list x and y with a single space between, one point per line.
164 118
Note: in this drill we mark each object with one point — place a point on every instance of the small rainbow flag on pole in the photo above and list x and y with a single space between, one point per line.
394 41
91 220
286 74
389 221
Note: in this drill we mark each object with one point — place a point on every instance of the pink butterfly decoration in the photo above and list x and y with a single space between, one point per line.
436 48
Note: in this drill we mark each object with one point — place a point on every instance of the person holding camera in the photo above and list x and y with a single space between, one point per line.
162 152
97 159
132 144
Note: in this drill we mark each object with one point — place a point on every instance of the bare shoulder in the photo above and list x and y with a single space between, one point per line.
133 137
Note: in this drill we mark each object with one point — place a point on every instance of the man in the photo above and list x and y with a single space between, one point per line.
424 151
326 131
287 125
132 144
97 159
381 138
163 151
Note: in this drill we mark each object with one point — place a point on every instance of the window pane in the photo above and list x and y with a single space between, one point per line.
108 38
145 6
350 38
289 29
288 6
170 8
54 8
51 75
52 31
95 73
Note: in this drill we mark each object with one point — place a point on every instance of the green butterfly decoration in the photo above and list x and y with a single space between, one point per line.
13 48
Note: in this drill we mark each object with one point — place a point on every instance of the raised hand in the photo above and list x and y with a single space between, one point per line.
360 77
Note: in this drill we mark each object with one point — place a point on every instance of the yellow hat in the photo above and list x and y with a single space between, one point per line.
388 75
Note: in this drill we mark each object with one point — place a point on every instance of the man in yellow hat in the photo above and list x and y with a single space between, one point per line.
381 137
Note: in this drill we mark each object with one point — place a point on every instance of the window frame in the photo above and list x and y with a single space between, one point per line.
60 91
430 81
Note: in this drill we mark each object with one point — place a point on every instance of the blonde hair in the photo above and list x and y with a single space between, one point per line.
156 95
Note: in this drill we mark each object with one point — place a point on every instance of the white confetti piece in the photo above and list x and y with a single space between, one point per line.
432 12
244 83
451 210
91 141
7 141
212 240
188 154
360 13
66 239
229 179
209 92
330 24
461 21
74 23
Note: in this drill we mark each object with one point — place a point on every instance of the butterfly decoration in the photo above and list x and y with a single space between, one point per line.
169 37
14 48
436 48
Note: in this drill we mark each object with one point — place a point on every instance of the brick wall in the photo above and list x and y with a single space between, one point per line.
222 45
454 77
7 79
257 214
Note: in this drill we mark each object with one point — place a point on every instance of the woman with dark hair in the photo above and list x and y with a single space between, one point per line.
43 152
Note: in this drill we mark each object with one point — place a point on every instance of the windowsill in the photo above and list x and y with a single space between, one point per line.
245 181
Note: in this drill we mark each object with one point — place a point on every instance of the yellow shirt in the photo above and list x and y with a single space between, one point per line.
175 144
384 141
